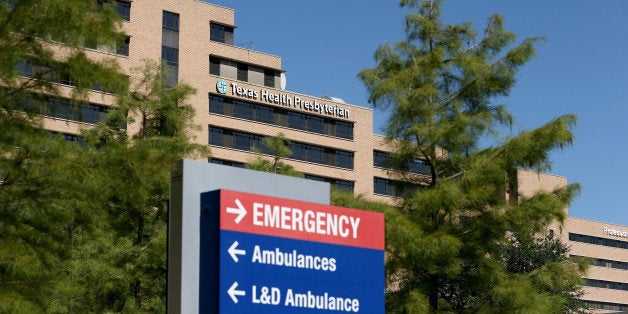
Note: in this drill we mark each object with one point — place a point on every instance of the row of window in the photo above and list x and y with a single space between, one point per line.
243 72
606 306
419 166
300 151
70 138
391 187
606 284
336 183
597 240
121 48
64 109
170 46
279 116
50 74
608 263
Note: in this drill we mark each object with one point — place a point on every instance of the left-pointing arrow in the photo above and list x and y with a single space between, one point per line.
234 252
233 292
240 211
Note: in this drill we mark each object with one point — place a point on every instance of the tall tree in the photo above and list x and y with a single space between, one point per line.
439 84
41 194
130 178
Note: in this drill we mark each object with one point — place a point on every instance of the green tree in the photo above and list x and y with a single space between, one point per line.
41 190
439 84
277 147
545 260
121 266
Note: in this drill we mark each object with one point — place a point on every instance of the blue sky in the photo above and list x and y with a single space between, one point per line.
582 68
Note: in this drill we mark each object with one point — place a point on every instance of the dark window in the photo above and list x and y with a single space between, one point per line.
227 162
265 114
618 307
216 136
380 159
64 109
606 284
316 155
216 104
316 124
295 120
608 263
597 240
170 21
336 183
123 9
243 110
391 187
344 159
281 117
123 47
418 166
269 77
214 66
243 72
221 33
344 129
300 151
170 55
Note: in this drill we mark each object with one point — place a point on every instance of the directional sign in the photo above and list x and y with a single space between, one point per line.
284 256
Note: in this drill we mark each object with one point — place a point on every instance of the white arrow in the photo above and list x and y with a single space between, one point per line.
234 252
233 292
241 211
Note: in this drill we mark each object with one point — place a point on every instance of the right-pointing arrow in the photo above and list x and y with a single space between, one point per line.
241 211
234 252
233 292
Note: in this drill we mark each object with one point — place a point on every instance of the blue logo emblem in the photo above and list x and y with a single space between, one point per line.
222 86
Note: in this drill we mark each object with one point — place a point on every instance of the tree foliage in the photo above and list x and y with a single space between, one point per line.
440 84
42 191
277 147
83 227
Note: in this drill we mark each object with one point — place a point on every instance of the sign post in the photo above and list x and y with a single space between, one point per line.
262 254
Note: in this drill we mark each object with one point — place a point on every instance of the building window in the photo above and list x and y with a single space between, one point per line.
214 66
391 187
243 72
170 55
278 116
220 33
418 166
618 307
335 183
606 284
598 241
227 162
600 262
269 77
300 151
170 21
123 47
62 108
70 138
380 159
170 47
123 9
